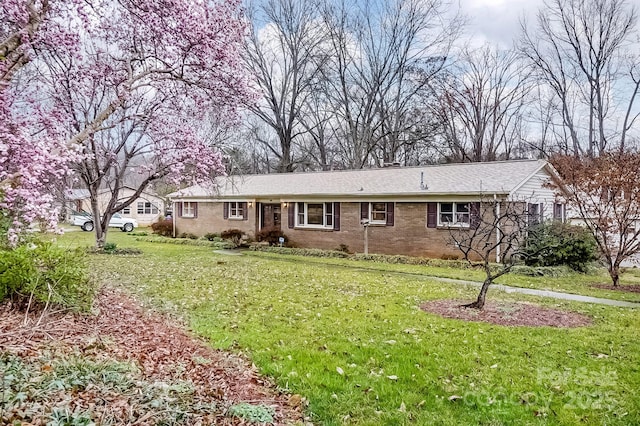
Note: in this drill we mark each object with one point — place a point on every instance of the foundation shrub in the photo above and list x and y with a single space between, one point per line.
163 228
555 243
232 235
271 235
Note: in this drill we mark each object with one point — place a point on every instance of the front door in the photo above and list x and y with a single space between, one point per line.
270 216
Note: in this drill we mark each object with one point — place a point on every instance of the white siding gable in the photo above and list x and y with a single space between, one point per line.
535 190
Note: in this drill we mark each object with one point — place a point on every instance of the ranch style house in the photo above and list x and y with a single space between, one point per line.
407 210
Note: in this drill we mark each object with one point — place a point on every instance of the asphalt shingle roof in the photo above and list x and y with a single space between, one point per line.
499 177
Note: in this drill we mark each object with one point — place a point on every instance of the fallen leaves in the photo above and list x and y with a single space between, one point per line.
173 372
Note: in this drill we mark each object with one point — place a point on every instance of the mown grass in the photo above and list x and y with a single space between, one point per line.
355 344
570 282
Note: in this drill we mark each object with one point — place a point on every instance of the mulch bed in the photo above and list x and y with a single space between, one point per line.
163 351
507 313
629 288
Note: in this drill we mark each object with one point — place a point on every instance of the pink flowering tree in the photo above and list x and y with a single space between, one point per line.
133 86
32 149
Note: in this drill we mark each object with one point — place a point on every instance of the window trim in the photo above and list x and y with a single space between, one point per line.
372 221
454 212
327 211
189 206
141 208
239 208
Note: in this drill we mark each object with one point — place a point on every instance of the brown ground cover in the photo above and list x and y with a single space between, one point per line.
162 351
630 288
507 313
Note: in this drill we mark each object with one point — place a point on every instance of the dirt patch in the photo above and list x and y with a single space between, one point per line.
507 313
162 351
628 288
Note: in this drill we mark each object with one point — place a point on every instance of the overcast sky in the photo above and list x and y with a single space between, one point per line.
497 21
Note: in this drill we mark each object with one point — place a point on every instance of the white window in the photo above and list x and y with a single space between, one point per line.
314 215
236 210
535 214
188 209
378 212
453 214
145 207
558 212
126 210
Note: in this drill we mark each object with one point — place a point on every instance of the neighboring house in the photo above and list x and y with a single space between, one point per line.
407 210
73 202
146 209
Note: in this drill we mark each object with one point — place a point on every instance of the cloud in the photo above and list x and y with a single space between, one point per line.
497 21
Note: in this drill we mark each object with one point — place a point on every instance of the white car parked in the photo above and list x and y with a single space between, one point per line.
85 222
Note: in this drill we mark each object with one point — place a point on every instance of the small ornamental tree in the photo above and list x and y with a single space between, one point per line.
495 238
604 193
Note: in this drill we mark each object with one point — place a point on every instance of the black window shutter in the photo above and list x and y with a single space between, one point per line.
225 210
364 211
541 211
336 216
245 213
179 209
432 215
290 214
195 209
474 219
390 218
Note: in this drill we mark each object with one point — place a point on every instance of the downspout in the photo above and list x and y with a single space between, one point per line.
497 212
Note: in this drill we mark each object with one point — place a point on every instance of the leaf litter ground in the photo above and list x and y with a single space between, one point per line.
507 313
123 366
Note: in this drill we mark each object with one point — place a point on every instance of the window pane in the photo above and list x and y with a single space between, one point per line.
300 213
462 208
379 212
314 214
462 212
446 212
140 207
446 207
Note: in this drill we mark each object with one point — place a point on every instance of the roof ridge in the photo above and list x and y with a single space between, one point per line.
309 172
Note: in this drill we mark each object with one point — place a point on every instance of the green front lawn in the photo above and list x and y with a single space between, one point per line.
572 282
355 344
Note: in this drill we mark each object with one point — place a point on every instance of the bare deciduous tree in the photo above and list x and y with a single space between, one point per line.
481 105
375 49
495 236
282 58
578 50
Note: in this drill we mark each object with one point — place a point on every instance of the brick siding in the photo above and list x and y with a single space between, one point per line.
409 235
211 220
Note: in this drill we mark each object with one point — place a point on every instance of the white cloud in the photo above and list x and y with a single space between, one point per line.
497 21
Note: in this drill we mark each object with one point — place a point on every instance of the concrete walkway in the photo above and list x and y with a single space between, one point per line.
507 289
543 293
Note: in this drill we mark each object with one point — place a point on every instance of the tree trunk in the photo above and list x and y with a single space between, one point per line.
479 303
614 273
101 236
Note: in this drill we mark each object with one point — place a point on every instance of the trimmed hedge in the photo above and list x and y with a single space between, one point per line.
548 271
218 245
300 251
